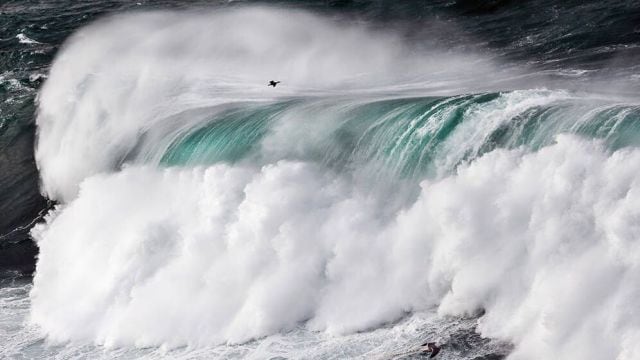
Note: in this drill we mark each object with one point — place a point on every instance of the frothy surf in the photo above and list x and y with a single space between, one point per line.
199 207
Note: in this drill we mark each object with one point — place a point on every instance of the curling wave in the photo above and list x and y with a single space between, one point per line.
200 207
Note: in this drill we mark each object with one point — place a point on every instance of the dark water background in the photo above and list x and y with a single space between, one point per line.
594 43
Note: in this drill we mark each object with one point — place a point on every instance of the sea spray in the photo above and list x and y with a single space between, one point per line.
542 242
199 207
96 104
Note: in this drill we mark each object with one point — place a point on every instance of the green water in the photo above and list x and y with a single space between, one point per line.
407 138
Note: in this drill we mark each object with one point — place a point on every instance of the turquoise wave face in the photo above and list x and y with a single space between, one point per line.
229 137
406 138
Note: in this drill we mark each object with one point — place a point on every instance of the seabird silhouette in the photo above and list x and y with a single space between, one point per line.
273 83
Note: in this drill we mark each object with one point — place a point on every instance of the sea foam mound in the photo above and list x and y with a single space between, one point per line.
199 207
545 243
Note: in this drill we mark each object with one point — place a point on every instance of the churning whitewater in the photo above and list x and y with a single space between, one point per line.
199 207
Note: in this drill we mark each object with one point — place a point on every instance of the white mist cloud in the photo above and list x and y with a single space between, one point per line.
122 76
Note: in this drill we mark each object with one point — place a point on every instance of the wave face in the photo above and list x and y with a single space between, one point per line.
199 207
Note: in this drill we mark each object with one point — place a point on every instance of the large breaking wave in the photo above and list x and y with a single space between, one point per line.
200 207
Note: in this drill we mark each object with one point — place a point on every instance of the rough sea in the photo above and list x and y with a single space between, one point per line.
464 172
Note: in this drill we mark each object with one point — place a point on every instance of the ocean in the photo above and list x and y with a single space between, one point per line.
452 171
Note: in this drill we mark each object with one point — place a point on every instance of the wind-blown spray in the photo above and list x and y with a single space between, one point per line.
200 207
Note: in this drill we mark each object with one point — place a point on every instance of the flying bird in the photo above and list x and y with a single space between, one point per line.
273 83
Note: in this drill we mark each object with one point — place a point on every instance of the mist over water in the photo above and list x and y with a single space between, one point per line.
99 104
383 193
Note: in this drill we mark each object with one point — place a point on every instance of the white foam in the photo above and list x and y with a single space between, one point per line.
24 39
22 340
544 242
